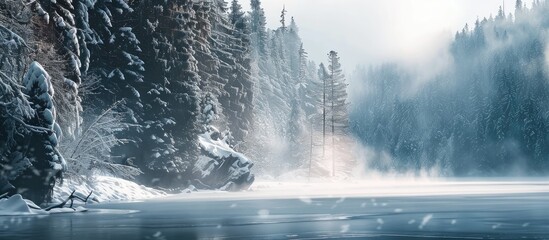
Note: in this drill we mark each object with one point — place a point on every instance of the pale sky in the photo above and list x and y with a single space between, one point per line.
376 31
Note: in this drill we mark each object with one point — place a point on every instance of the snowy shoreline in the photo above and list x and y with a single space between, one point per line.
106 189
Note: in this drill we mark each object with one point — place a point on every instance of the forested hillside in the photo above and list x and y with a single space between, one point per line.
487 114
294 104
166 93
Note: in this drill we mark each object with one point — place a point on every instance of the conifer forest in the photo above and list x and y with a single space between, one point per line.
251 118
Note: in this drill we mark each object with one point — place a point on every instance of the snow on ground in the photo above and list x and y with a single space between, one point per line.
305 191
106 188
399 187
16 205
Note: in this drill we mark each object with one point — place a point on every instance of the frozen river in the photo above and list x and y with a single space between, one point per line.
439 210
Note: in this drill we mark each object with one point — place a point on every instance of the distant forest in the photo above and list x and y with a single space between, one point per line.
488 114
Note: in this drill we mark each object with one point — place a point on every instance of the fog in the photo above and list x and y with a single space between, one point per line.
479 108
436 88
371 32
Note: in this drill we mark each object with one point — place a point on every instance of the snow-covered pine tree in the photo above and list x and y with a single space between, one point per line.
323 75
314 106
283 18
70 20
116 63
277 75
293 44
15 110
338 116
299 129
310 92
258 31
240 86
170 93
219 41
47 164
115 54
211 84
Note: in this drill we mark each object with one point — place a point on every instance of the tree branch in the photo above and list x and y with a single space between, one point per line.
69 198
31 127
91 125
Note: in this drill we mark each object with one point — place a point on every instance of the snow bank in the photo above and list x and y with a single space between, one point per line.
106 188
16 205
220 166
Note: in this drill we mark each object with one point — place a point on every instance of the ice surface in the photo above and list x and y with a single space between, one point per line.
425 220
344 228
274 211
68 210
390 188
263 213
306 200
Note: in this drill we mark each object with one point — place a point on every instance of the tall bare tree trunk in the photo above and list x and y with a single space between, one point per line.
333 127
311 150
324 120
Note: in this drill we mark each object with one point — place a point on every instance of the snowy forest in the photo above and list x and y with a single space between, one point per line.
174 94
274 119
486 115
165 93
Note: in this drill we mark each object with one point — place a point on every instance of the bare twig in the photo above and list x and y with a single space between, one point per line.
69 198
62 204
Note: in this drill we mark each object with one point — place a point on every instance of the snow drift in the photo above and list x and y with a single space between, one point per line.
106 188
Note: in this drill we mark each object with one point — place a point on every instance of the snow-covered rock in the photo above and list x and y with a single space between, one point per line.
220 166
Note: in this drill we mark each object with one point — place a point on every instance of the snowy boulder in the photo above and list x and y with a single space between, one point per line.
220 166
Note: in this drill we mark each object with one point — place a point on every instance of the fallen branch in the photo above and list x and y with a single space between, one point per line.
70 198
4 195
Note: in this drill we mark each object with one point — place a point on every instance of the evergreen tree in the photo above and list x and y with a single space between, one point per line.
211 84
489 122
237 98
15 111
339 118
46 163
171 93
283 18
70 20
258 32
